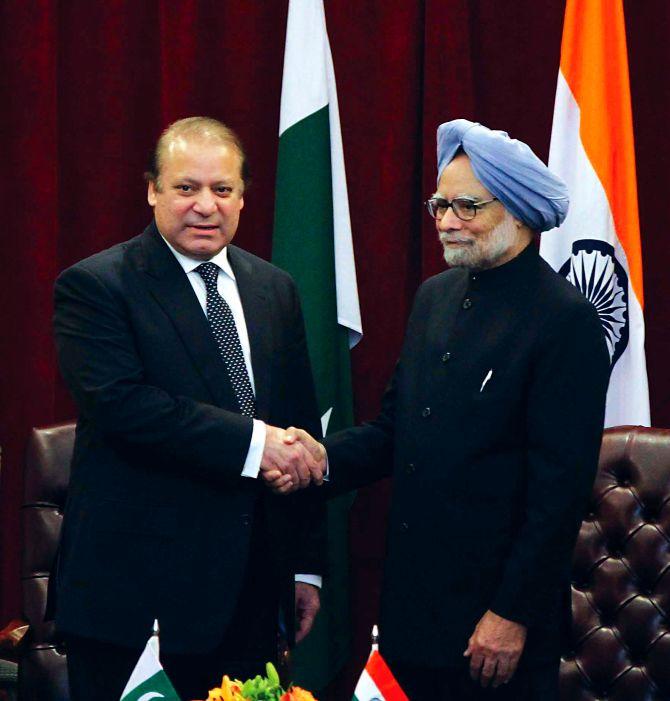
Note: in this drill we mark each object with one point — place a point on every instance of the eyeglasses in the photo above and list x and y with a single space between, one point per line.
464 207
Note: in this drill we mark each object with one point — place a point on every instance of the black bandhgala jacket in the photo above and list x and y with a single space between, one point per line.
490 476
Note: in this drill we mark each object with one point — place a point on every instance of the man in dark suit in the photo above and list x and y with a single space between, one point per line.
491 429
185 354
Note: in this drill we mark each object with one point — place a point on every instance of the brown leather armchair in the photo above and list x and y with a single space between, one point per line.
42 665
620 647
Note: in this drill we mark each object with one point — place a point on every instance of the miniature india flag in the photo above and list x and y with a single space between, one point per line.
148 680
377 683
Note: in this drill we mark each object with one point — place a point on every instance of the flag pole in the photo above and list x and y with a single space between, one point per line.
154 641
375 638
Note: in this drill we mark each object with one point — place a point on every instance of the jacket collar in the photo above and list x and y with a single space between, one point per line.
514 273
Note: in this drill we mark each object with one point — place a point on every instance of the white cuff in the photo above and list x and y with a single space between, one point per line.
252 464
314 579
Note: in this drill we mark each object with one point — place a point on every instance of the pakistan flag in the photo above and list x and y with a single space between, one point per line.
312 241
148 680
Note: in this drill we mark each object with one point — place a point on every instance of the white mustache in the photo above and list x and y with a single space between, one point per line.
455 239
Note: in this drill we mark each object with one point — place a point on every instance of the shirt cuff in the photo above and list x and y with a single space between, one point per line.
313 579
252 464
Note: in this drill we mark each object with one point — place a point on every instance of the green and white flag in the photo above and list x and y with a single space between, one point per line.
148 680
312 241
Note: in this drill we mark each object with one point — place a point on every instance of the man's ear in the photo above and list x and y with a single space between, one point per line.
151 193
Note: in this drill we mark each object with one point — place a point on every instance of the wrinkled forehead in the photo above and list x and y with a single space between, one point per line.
458 179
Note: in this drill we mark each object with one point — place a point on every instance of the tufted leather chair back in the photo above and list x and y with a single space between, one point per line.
42 666
620 647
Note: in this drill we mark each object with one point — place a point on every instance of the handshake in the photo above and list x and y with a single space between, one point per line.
291 460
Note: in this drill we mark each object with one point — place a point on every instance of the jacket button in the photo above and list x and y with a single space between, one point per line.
246 520
404 526
467 303
410 468
446 357
425 412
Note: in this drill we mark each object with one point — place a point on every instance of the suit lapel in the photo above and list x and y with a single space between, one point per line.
169 285
256 306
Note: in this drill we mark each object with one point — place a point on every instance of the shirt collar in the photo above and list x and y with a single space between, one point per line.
190 264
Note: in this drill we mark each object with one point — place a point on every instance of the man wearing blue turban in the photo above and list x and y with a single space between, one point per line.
509 170
491 429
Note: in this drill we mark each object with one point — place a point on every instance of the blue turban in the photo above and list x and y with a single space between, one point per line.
509 170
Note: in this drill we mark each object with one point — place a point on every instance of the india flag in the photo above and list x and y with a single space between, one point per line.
312 241
598 246
148 680
377 683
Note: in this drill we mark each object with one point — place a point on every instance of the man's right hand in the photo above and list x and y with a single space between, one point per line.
287 464
299 435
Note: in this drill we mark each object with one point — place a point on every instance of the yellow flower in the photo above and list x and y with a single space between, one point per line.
228 691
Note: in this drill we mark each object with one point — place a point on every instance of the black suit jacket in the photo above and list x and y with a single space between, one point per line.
490 483
158 517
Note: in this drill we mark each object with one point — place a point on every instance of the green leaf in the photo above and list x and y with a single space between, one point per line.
271 671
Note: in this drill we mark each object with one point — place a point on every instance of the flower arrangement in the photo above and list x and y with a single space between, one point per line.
259 688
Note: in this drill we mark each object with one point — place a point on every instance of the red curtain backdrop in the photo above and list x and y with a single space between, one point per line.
86 87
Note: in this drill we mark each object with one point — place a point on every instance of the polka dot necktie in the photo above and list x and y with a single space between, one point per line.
223 327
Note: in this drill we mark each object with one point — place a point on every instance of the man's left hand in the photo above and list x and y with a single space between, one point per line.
494 649
307 605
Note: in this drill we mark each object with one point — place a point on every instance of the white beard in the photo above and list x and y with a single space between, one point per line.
483 251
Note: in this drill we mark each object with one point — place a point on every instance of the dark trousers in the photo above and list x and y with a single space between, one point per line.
99 671
538 683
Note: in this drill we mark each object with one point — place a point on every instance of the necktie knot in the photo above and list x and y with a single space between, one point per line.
209 272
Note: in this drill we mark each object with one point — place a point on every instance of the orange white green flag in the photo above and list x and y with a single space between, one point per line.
377 682
597 248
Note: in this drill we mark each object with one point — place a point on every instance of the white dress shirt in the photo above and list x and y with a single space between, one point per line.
227 288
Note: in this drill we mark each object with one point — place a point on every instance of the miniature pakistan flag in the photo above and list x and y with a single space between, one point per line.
148 680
